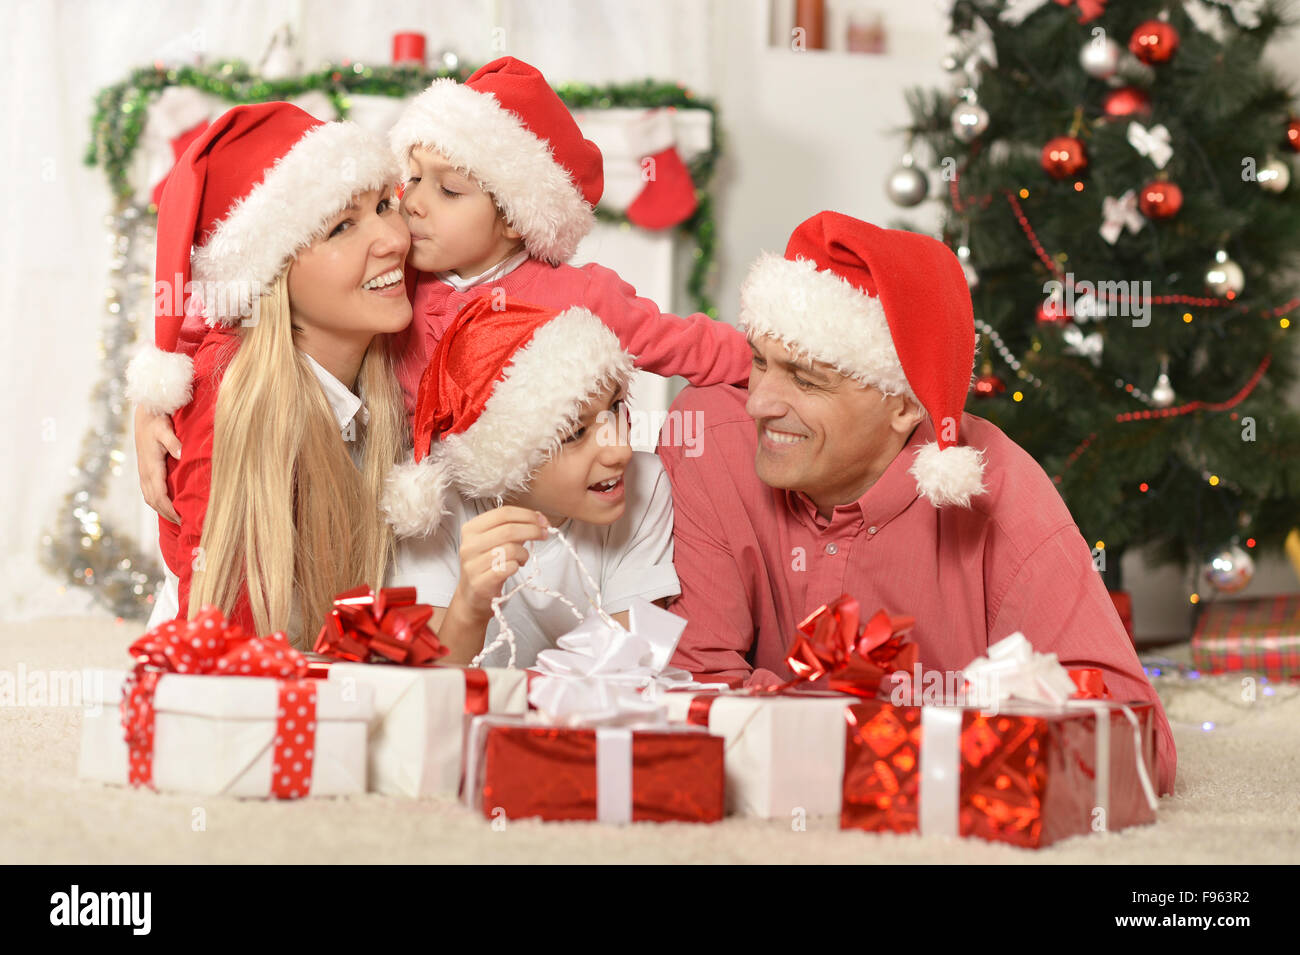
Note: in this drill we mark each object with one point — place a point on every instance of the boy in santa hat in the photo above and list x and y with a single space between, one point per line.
518 428
501 187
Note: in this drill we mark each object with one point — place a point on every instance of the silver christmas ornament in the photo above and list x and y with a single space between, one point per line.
1162 395
1274 175
969 120
1224 278
1100 58
449 60
1230 569
907 185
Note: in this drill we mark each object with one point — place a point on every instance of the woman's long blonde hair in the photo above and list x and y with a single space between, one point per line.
289 513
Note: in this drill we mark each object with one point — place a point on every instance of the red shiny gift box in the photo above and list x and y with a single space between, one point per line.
1024 774
520 768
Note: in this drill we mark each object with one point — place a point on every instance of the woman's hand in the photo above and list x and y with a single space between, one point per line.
154 440
491 549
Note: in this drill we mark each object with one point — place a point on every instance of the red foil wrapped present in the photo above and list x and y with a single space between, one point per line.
520 768
1025 774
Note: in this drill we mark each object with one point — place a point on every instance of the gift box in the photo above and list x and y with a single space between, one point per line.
518 767
782 753
1260 634
1025 774
233 735
421 714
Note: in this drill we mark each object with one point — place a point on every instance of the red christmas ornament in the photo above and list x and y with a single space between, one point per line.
1293 134
1126 101
1051 313
1064 157
989 386
1153 41
1160 200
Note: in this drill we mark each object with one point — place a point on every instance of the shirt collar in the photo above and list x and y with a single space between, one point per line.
343 402
501 269
892 494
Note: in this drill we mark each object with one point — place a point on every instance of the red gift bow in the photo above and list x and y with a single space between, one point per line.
390 625
850 658
1091 684
207 645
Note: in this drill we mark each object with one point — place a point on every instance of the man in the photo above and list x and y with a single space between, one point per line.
848 466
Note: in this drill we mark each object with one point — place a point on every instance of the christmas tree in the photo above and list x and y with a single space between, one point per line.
1116 182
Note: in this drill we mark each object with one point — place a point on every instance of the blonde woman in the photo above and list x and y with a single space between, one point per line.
283 401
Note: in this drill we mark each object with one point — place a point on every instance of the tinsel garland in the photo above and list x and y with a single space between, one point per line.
84 549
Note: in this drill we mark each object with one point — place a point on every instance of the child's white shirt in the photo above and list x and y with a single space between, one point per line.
632 557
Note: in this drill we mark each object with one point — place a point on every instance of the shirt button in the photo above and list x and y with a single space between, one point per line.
871 529
832 548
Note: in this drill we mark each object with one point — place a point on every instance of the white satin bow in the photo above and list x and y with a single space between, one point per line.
1152 143
601 674
1012 670
1119 214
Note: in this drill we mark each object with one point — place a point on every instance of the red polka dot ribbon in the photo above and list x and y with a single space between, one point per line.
209 646
295 739
388 626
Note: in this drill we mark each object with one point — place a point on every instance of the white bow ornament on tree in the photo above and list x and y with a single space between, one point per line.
1089 346
1118 215
1152 143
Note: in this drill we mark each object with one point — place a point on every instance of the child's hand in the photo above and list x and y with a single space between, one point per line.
491 549
154 439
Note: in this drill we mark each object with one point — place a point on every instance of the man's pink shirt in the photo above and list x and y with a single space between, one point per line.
754 561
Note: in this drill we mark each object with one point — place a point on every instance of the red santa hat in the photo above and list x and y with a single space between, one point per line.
507 382
506 127
255 188
889 308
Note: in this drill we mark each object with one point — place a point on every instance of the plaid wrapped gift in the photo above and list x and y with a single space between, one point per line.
1261 634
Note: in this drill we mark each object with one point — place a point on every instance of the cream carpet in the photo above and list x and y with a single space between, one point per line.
1237 799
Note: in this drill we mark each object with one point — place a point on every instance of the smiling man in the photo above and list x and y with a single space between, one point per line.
848 466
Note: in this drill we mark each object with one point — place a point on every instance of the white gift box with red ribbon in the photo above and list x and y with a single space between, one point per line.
218 735
417 733
783 753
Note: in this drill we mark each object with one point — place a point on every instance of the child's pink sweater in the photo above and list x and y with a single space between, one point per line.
700 349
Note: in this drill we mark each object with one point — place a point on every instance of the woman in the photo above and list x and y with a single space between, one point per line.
298 271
